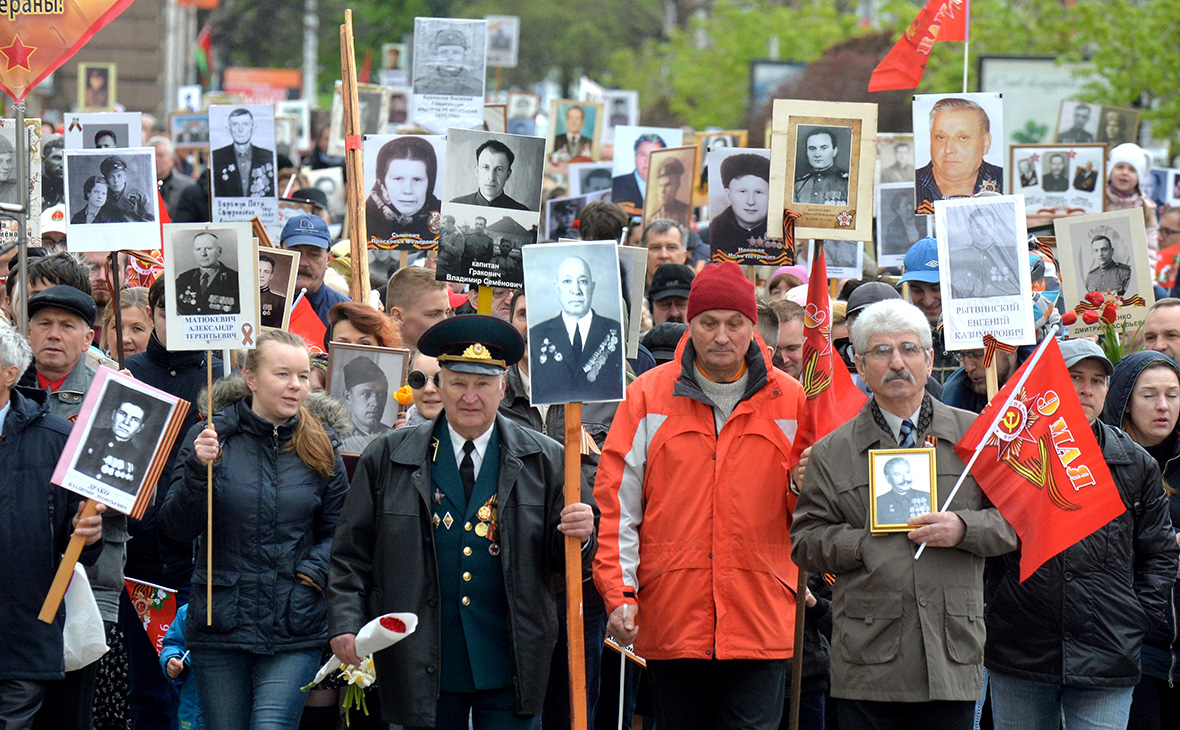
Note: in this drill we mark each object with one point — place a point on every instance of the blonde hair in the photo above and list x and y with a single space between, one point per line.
310 440
135 296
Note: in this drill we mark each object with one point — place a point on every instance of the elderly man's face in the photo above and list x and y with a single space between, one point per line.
470 400
1056 164
117 179
493 170
313 264
206 250
241 128
574 119
366 403
821 151
575 287
1103 251
127 421
58 338
900 476
748 197
449 59
54 161
643 157
958 143
721 338
893 374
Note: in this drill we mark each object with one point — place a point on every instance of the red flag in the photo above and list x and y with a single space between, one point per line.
832 398
366 67
903 66
142 270
1041 465
308 325
156 607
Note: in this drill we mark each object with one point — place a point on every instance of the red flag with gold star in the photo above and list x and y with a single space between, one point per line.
1041 466
40 35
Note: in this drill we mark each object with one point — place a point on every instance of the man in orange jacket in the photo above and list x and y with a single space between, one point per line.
694 548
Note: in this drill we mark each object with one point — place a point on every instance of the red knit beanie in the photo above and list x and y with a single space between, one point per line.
722 286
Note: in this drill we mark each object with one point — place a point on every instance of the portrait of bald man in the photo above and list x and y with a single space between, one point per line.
210 287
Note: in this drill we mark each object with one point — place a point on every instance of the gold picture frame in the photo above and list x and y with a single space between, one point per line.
100 98
889 511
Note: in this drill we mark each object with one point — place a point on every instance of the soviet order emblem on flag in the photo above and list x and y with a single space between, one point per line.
37 36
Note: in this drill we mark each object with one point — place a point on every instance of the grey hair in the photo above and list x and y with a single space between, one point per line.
14 349
954 104
890 316
767 324
160 140
663 225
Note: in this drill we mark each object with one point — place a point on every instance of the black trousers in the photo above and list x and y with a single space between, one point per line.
704 694
19 701
944 715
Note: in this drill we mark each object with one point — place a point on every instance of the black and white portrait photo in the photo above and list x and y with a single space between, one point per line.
483 246
503 40
1077 122
589 177
984 261
449 67
403 183
1059 179
739 196
111 199
958 146
1117 126
276 286
493 170
364 380
903 486
1027 169
632 161
821 164
842 259
189 131
330 181
562 214
9 184
211 285
670 185
895 158
399 107
103 130
576 339
301 109
620 109
243 163
898 227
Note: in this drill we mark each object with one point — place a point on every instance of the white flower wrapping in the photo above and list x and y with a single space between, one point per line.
372 638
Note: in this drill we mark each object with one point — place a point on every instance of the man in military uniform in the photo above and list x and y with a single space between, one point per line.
366 394
449 75
825 183
1107 275
271 304
1085 178
986 268
477 246
124 204
450 247
667 187
110 456
461 522
1077 134
210 288
960 135
1055 180
902 501
242 169
9 186
493 167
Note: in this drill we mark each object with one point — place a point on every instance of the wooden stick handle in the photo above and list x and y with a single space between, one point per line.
209 500
797 659
65 571
573 569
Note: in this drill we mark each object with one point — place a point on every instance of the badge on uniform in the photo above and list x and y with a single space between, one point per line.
488 524
448 520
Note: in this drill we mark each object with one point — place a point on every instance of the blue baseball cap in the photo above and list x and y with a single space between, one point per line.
921 262
306 229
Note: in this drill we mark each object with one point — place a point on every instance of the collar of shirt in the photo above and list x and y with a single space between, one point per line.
582 324
50 385
481 446
4 412
243 150
894 422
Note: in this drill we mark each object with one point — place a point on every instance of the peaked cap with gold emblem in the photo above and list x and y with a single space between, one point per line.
473 343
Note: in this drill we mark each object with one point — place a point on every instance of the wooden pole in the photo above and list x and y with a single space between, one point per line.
209 497
993 380
113 280
797 658
354 166
65 571
573 569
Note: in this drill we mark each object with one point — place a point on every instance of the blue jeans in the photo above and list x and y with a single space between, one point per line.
1018 704
240 690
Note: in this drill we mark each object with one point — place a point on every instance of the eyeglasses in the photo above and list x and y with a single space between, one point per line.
417 379
972 355
883 353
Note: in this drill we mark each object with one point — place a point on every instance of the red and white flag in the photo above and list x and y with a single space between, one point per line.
156 607
903 66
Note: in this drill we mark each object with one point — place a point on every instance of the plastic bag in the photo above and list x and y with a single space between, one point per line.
84 635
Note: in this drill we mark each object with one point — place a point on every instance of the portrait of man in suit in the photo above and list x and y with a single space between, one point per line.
578 355
630 188
493 167
573 143
242 169
1055 179
211 287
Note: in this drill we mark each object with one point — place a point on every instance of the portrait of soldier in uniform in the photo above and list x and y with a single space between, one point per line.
1106 274
819 179
903 500
111 453
669 191
271 303
242 169
1077 133
124 203
366 395
449 72
1055 179
210 287
986 267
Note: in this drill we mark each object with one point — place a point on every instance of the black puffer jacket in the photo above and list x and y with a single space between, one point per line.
273 517
1161 648
1080 619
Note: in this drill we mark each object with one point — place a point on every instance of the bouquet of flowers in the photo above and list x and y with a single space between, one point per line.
1095 308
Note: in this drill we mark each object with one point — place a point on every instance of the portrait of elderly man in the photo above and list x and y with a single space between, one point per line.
746 178
1077 133
242 169
449 73
211 287
630 188
9 190
821 181
366 395
577 355
493 167
1028 172
1086 178
573 144
886 660
111 453
1106 275
1055 179
902 501
960 135
124 203
987 266
670 191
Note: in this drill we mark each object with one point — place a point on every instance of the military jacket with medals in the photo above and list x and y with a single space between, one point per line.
823 187
219 296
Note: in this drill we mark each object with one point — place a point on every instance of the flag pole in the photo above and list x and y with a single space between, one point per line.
966 44
1028 368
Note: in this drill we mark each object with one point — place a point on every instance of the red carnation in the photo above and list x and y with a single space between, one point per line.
1069 318
1095 298
1090 316
395 625
1110 313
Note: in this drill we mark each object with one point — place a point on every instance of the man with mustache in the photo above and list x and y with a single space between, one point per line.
308 234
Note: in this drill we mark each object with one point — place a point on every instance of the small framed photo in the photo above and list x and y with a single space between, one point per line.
97 87
404 183
1105 253
211 285
503 40
898 226
589 177
822 157
394 56
895 158
632 161
562 214
124 435
705 142
975 165
670 176
10 189
103 130
902 484
522 112
1080 122
110 199
495 118
364 379
190 131
277 268
575 132
633 260
621 109
301 109
1059 180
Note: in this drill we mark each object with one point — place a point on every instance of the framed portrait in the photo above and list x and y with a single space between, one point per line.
188 98
562 215
364 379
287 137
189 131
495 118
449 68
589 177
394 56
243 188
503 40
842 259
739 193
399 107
123 438
669 185
213 98
1118 125
895 158
110 199
620 109
822 156
210 285
522 112
1156 186
277 269
10 188
902 484
985 280
1033 89
1059 180
766 76
898 226
957 147
706 141
372 103
633 261
575 132
97 85
581 281
101 130
301 110
403 189
1104 253
633 148
1077 122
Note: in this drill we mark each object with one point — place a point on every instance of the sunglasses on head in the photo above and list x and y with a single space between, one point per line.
417 379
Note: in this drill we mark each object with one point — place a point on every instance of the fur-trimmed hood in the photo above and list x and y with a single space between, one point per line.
230 390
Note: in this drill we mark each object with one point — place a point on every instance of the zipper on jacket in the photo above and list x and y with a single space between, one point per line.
1175 630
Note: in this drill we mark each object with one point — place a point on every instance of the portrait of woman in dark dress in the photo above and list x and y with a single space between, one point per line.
402 205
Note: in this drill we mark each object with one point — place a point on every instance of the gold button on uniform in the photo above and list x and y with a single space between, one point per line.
466 601
467 551
467 576
467 527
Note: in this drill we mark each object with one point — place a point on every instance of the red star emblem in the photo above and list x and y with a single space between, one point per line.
1073 154
1035 157
18 54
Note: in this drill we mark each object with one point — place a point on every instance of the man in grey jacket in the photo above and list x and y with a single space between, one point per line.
908 635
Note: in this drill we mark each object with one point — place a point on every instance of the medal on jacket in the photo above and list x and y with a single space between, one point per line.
434 455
